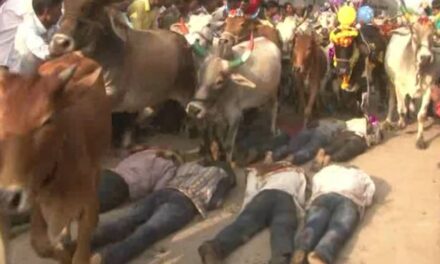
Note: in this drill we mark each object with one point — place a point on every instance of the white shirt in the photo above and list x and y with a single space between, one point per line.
289 179
358 126
31 45
12 13
352 183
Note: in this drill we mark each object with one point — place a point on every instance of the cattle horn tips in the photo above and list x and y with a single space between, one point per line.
65 75
245 56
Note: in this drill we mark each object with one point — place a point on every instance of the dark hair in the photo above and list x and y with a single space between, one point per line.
287 4
40 5
271 4
435 4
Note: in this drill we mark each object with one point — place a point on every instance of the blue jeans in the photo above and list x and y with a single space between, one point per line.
270 208
330 221
148 220
304 146
346 146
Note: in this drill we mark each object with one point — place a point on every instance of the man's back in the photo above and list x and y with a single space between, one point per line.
12 14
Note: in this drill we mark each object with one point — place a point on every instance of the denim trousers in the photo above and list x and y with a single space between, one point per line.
303 146
270 208
147 221
346 146
329 223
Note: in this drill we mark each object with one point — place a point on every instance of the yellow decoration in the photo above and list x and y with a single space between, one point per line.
346 15
345 82
343 36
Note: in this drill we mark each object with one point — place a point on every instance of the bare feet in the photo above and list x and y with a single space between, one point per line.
299 257
326 161
96 259
290 158
313 258
208 254
269 158
320 156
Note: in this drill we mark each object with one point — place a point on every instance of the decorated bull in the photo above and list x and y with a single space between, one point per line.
412 66
228 87
358 56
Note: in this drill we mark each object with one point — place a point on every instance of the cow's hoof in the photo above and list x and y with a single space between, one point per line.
421 144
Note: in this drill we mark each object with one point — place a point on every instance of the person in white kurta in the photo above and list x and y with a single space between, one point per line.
31 45
12 13
340 195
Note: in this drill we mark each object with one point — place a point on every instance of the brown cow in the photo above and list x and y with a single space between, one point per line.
239 28
54 129
310 65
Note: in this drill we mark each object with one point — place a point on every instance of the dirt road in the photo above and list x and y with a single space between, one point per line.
402 227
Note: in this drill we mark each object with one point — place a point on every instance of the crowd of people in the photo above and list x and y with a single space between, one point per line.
165 192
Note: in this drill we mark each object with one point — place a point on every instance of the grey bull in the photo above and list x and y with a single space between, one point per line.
227 88
412 67
142 68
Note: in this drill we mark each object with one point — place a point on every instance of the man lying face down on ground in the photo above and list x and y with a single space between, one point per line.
275 194
340 195
169 196
342 139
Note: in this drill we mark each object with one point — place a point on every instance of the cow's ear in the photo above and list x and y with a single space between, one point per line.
91 78
119 22
242 81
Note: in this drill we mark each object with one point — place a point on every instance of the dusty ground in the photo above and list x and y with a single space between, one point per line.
402 227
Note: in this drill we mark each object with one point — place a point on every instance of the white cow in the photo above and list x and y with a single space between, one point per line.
227 88
412 68
286 30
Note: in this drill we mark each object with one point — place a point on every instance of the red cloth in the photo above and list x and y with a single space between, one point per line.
437 109
435 97
252 7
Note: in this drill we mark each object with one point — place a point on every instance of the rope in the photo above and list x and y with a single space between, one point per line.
366 98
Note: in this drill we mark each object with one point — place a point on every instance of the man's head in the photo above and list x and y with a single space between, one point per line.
47 11
272 8
435 7
289 10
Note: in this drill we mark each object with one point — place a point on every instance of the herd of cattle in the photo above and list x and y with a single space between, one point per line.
55 127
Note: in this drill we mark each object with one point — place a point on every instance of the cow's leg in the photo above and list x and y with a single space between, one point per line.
301 93
86 225
388 124
336 90
421 117
4 237
274 116
314 86
40 240
231 137
401 110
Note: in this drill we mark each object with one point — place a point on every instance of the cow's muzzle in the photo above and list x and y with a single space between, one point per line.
196 109
13 200
61 44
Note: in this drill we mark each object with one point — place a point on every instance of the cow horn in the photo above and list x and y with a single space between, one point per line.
67 74
183 28
199 50
245 56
